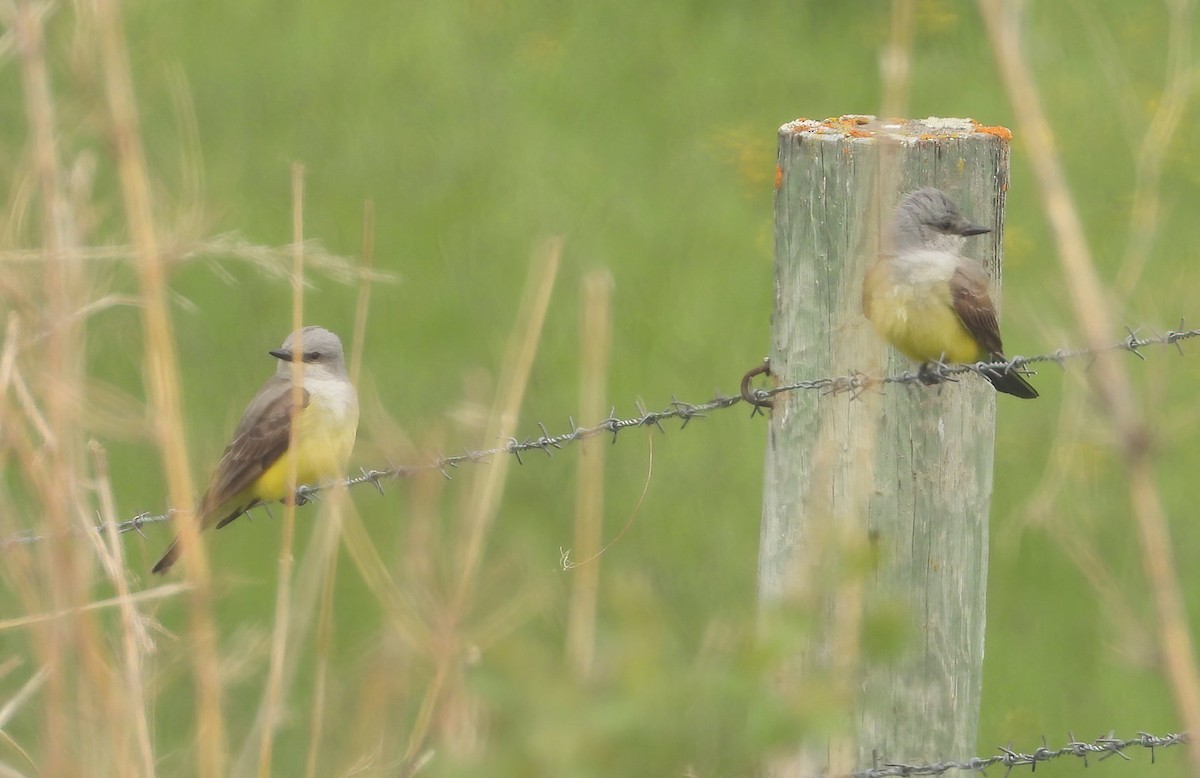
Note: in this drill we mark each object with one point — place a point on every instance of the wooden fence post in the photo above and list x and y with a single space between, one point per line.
876 507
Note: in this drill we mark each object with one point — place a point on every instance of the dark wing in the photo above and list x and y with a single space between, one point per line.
259 441
974 307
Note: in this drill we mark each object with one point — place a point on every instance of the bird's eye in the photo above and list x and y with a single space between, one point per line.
312 356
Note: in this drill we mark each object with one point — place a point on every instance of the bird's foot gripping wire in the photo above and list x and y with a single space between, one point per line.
935 372
305 494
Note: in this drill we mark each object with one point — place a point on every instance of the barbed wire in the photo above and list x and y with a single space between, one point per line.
685 412
857 382
1103 747
545 443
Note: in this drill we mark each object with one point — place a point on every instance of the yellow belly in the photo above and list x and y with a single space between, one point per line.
918 320
321 448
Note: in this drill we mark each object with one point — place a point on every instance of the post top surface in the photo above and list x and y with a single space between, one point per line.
907 130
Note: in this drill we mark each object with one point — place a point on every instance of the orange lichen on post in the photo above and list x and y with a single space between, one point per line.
850 124
865 126
1003 133
778 177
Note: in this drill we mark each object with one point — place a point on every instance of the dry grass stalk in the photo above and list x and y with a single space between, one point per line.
134 640
446 642
323 645
61 375
162 371
274 694
1112 385
594 338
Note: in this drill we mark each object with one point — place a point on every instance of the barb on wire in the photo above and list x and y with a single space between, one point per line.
1101 747
685 412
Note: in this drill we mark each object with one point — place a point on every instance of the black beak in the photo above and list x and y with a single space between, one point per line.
970 229
281 353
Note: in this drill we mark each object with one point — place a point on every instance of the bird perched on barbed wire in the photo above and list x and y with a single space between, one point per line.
931 302
276 434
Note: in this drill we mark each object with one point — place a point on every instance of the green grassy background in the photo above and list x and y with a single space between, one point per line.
644 134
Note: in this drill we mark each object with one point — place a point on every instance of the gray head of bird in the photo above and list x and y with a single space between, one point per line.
929 219
319 351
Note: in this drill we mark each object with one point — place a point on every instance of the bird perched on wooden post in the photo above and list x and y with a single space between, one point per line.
931 302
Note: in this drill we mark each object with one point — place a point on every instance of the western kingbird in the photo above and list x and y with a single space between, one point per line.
928 300
256 464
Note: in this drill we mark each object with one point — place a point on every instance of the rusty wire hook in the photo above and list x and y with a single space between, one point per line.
750 395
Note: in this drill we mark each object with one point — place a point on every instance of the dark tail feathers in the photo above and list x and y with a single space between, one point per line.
169 557
1011 382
